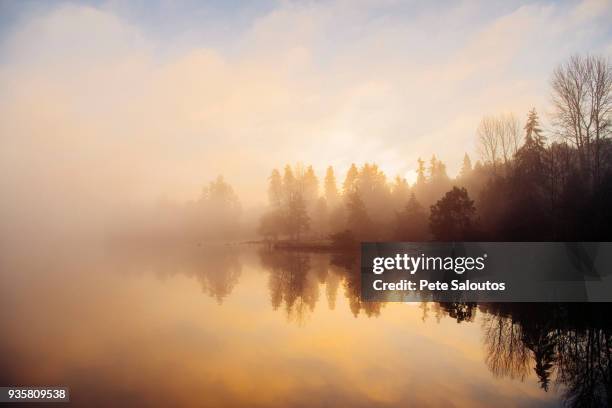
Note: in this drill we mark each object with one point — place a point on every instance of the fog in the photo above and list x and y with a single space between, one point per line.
100 119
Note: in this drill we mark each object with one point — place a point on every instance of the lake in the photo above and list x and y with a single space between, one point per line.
239 325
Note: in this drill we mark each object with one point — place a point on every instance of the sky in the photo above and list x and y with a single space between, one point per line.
108 101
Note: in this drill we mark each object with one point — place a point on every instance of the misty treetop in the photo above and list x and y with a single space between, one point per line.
528 185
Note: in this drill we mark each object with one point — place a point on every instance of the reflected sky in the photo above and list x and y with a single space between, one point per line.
230 326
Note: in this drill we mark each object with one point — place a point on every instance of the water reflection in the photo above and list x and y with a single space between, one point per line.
250 351
568 346
216 267
295 277
571 341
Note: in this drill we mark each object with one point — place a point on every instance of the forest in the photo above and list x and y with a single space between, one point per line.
527 184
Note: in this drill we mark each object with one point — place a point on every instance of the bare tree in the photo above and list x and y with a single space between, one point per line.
488 142
582 98
509 135
498 138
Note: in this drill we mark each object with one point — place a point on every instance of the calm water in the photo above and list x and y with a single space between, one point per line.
241 326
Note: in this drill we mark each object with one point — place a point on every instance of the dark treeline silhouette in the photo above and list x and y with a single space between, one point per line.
527 185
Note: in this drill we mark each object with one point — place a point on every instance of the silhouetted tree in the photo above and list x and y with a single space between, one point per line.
270 225
411 222
400 192
358 219
582 98
331 189
349 184
310 189
498 139
297 220
451 218
530 158
320 218
421 179
275 189
220 209
466 167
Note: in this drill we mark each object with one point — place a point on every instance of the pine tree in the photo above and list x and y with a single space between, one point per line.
331 190
275 189
400 192
297 219
310 185
350 181
466 167
533 133
320 217
289 184
421 179
433 167
411 222
441 174
531 156
358 219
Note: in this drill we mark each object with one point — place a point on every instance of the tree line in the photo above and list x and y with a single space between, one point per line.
528 184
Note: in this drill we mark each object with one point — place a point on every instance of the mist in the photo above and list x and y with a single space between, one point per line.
102 117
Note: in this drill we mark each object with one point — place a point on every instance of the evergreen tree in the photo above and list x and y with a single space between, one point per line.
400 192
451 218
270 225
421 179
437 171
320 217
330 187
466 167
297 220
411 222
289 184
275 189
531 156
358 219
532 129
350 181
310 185
433 167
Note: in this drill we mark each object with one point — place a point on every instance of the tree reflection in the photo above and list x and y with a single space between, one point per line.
568 347
460 311
216 267
291 283
218 273
572 340
505 352
296 277
349 265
